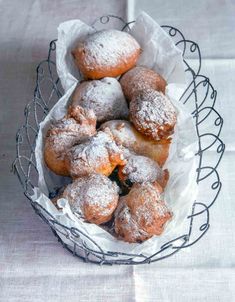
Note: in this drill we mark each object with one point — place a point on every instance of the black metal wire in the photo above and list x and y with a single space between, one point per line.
199 96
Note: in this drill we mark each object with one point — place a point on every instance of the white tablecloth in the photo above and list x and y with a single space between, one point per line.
33 265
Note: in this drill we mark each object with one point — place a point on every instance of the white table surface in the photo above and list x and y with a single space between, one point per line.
33 265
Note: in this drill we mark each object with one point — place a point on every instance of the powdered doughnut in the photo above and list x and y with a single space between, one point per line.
92 197
126 135
141 78
153 114
126 227
99 154
139 169
104 96
65 133
142 213
106 53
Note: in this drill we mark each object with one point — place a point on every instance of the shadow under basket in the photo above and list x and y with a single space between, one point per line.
199 97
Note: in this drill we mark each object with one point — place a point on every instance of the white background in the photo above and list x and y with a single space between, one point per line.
33 265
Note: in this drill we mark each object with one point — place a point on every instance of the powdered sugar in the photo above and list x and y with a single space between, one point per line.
97 152
150 211
125 226
141 78
65 133
125 134
108 47
104 96
94 190
141 169
151 111
142 213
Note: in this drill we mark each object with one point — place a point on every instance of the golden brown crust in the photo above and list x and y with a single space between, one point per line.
106 53
93 197
153 114
125 134
99 154
142 213
104 97
85 117
65 133
139 169
141 78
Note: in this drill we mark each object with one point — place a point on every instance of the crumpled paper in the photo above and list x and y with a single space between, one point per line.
158 50
159 53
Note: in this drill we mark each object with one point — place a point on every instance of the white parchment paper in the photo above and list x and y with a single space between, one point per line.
159 53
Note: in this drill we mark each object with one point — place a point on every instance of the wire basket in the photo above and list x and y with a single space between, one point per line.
199 97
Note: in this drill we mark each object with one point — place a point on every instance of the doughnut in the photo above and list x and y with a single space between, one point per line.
126 135
93 197
153 114
139 169
141 78
126 228
142 213
65 133
98 154
106 53
104 96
